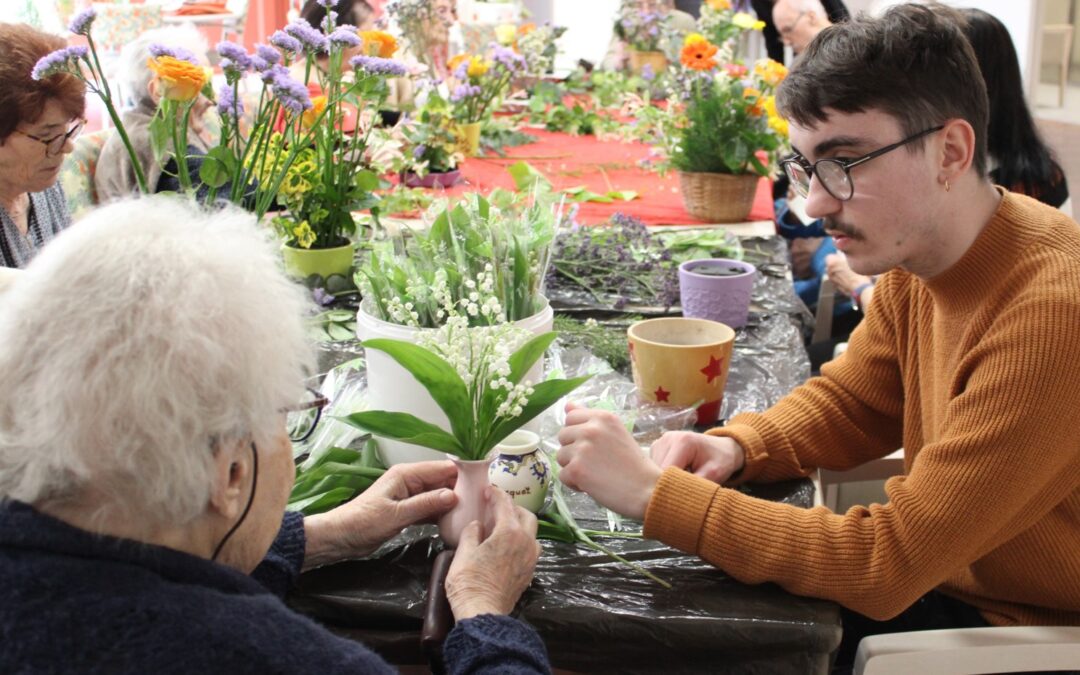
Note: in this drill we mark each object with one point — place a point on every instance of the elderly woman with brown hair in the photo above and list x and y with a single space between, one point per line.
39 121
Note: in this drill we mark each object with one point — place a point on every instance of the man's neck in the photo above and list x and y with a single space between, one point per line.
965 215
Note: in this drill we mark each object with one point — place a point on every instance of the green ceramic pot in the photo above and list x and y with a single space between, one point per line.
303 262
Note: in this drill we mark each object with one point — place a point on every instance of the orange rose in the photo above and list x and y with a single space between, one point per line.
698 56
719 5
378 43
180 80
318 105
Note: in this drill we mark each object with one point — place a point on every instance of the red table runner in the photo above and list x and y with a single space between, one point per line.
569 161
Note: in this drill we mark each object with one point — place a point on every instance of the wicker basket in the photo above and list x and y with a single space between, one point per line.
638 60
718 197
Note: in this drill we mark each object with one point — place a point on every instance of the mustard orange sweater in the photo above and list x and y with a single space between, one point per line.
976 374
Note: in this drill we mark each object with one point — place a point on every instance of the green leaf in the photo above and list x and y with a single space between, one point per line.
625 195
528 354
160 137
322 503
437 376
216 167
407 428
545 394
367 180
339 333
525 176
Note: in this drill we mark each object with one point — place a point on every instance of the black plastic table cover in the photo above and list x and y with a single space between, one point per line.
597 615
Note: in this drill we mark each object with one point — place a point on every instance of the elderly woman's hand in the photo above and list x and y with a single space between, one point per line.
406 494
488 577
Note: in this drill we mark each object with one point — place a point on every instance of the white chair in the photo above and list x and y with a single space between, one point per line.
966 651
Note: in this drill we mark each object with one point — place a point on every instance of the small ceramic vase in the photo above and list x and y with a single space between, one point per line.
471 486
521 470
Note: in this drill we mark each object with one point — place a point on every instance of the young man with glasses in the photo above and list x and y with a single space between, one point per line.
967 359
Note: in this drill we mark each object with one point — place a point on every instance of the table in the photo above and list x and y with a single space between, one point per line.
601 166
596 615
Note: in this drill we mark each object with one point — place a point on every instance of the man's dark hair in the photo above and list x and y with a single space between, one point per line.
913 63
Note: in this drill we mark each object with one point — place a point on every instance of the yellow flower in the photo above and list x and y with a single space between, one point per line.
746 21
305 236
180 80
719 5
318 105
505 34
378 43
753 96
771 72
779 125
770 106
478 67
694 39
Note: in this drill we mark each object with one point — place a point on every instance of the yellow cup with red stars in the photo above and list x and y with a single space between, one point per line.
682 362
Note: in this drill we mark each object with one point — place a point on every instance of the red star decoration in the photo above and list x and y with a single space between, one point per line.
661 395
714 369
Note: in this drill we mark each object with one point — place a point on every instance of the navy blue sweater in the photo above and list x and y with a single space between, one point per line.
72 601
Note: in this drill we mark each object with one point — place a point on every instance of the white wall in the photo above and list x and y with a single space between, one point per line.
588 28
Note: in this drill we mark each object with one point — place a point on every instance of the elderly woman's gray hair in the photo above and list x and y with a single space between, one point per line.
135 73
136 342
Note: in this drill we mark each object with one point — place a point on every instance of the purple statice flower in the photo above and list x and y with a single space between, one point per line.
321 297
272 72
80 25
178 53
419 151
464 91
373 65
328 4
329 20
267 54
57 61
346 35
508 58
283 40
292 95
462 70
233 57
647 73
229 106
313 40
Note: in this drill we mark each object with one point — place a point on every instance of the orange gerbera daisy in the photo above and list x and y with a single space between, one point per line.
699 56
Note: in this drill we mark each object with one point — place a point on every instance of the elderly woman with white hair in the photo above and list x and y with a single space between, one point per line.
148 357
114 177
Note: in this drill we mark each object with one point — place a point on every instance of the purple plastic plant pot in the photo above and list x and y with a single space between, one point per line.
717 289
441 179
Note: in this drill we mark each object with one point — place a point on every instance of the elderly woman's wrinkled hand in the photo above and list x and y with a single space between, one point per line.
489 575
405 495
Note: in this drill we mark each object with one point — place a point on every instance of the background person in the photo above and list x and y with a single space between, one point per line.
966 360
145 466
114 176
39 121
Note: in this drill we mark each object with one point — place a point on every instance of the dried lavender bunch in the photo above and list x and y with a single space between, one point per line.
619 263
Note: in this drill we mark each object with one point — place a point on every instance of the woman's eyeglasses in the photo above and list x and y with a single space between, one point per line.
834 174
55 145
302 418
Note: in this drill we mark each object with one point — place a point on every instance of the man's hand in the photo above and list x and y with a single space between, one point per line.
841 274
713 457
404 495
488 577
600 457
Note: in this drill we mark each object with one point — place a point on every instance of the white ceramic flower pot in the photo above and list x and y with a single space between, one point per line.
521 470
392 388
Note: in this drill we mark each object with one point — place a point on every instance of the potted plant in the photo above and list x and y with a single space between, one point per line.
435 151
481 81
644 33
729 136
484 260
479 378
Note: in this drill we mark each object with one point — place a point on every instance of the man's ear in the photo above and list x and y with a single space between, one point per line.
232 473
153 88
956 149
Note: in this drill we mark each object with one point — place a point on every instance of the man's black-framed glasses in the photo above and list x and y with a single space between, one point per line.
54 145
834 174
302 418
